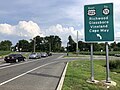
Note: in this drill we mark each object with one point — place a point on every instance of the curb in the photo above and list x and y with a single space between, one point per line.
59 87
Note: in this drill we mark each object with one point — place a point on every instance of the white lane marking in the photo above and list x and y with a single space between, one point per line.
21 63
60 57
26 73
62 78
5 64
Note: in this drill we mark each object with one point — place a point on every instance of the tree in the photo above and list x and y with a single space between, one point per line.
57 43
48 43
114 46
53 43
5 45
81 46
71 44
101 46
22 45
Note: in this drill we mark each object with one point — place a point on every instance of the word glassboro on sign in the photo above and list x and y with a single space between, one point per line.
99 22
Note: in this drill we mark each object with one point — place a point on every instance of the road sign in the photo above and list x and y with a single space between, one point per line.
98 24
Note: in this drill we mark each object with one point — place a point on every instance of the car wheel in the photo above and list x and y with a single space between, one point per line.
23 59
7 62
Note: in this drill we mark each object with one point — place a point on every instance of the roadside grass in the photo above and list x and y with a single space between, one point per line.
26 54
111 53
78 72
3 53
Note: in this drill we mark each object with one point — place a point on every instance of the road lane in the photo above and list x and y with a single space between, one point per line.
43 74
45 78
39 75
13 71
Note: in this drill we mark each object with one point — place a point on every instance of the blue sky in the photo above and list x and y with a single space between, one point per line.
42 16
43 12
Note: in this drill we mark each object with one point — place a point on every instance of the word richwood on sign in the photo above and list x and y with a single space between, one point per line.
99 22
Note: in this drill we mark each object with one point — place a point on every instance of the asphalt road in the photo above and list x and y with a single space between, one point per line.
40 74
37 74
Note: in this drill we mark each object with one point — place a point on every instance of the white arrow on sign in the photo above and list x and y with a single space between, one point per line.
98 35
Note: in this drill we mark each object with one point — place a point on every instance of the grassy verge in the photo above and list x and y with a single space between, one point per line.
79 71
26 54
111 53
2 53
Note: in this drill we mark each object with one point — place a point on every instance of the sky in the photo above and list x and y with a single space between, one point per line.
25 19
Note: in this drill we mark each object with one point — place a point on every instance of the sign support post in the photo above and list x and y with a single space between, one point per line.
107 64
92 67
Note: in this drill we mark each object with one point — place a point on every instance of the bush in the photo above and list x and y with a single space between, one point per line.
114 65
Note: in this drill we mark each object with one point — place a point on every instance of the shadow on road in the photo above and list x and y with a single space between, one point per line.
44 75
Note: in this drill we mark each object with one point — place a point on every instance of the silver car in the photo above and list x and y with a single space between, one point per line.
44 54
34 56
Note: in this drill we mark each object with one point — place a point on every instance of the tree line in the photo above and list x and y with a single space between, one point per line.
48 43
54 44
83 46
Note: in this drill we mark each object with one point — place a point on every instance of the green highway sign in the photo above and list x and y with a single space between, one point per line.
98 22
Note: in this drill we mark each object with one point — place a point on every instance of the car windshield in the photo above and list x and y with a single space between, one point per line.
33 53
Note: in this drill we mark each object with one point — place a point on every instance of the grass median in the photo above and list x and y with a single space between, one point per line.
3 53
78 72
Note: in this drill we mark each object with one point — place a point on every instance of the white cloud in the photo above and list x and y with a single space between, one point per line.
64 32
6 29
23 30
28 30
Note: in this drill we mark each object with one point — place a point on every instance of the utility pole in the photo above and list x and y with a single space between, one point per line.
77 44
49 46
34 44
67 49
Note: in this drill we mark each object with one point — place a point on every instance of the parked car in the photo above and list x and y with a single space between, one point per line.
117 55
44 54
14 58
34 56
49 53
